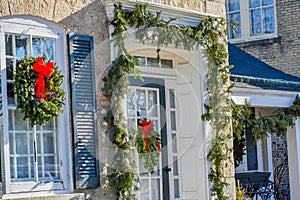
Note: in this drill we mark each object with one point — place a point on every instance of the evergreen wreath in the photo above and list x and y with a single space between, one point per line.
147 143
38 88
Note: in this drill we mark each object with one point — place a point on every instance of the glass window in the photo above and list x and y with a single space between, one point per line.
252 19
34 156
154 62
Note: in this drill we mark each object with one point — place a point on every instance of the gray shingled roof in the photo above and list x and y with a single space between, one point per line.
250 71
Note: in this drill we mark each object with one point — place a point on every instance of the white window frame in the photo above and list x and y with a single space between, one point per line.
36 27
246 25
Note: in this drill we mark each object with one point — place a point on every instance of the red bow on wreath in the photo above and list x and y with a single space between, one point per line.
147 129
43 69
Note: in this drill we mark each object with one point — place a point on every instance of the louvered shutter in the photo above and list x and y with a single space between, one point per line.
86 164
251 150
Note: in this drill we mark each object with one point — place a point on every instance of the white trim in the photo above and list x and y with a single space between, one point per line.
293 145
5 141
271 99
270 158
30 25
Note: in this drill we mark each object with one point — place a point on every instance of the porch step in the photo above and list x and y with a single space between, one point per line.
77 196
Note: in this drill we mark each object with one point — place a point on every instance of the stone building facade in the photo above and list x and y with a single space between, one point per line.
61 19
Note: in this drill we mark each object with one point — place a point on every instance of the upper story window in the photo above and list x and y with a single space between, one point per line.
256 19
154 62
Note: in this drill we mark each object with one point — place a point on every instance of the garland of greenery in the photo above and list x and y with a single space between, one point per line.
208 34
261 126
38 110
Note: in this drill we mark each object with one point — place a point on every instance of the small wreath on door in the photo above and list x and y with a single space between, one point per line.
147 142
38 87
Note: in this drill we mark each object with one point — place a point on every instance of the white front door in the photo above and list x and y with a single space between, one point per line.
143 103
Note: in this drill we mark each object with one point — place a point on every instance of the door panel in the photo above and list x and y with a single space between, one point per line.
147 100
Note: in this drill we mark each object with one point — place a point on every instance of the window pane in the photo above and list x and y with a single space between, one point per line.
10 93
234 5
36 47
49 142
51 168
155 189
254 3
49 48
20 124
175 166
11 145
174 143
21 46
12 168
267 2
142 60
173 120
269 22
22 167
152 62
38 142
155 126
130 102
144 190
21 143
9 69
142 170
256 26
235 29
176 188
8 45
141 103
172 98
166 63
152 103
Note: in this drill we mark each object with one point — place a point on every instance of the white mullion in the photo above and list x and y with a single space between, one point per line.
147 104
35 157
56 158
169 138
147 117
42 47
29 154
30 45
5 157
14 62
14 145
159 129
42 153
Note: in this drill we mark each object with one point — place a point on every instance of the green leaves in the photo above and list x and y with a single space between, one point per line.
38 111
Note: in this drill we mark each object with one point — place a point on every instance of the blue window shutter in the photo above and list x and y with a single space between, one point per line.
251 150
86 163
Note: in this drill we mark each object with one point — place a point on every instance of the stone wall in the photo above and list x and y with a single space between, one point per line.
215 7
284 53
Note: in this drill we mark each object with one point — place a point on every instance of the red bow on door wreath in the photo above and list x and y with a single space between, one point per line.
147 130
43 70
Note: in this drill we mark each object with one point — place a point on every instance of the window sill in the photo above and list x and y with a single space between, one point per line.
256 42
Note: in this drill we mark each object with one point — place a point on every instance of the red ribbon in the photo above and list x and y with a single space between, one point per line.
43 70
147 128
